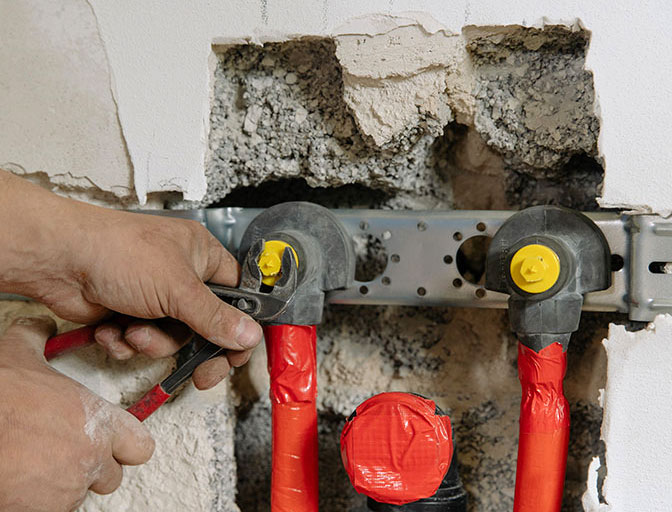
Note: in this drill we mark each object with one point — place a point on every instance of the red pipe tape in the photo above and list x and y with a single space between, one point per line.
544 430
396 449
292 365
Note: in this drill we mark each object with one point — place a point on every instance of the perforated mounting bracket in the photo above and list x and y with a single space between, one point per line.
422 249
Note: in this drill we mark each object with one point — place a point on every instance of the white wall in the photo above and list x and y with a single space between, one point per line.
67 71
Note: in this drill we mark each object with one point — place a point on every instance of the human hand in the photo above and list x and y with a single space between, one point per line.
57 439
83 262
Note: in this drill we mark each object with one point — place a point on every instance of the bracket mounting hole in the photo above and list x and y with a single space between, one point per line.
617 262
660 267
371 257
471 257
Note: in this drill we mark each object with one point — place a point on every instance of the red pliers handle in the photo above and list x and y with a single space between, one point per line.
156 396
262 306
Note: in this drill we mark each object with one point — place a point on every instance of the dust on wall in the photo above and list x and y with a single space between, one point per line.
463 123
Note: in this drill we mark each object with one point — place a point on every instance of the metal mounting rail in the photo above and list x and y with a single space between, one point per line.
422 247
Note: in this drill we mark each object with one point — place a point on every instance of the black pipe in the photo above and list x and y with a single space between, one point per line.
450 497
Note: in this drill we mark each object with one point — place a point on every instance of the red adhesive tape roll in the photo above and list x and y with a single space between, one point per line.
544 430
292 365
396 449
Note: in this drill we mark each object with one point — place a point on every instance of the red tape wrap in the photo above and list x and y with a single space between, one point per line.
396 449
292 365
544 430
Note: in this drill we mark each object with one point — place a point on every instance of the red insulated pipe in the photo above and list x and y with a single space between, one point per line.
544 430
292 365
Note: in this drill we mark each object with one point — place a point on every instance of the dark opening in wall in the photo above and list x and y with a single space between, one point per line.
274 192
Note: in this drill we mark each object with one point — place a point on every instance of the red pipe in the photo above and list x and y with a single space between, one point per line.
292 365
544 430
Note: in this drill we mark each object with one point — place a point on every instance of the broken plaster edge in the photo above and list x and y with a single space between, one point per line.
623 343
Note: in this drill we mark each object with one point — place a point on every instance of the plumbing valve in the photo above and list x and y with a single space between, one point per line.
325 261
546 258
322 248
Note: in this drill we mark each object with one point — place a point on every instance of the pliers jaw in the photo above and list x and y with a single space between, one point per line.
263 306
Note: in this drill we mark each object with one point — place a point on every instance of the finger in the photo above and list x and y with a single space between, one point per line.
211 373
132 443
28 335
238 358
109 478
111 337
222 324
79 310
222 268
158 339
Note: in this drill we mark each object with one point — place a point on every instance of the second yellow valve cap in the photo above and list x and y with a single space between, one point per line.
270 260
535 268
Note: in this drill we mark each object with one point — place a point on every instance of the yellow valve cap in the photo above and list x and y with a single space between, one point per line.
270 260
535 268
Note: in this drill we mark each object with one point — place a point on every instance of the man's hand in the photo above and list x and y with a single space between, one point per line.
57 439
83 261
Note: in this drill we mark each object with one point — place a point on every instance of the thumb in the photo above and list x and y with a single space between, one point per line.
214 319
28 335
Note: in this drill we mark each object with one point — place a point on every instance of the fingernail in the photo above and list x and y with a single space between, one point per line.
248 333
138 337
106 336
121 351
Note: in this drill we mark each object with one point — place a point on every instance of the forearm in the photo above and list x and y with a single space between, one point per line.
37 231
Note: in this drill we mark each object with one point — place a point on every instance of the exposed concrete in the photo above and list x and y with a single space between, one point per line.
535 100
279 113
396 77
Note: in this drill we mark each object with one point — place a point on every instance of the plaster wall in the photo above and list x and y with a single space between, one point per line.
160 54
58 119
143 75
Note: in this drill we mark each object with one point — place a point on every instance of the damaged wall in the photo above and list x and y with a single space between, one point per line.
286 111
391 111
167 145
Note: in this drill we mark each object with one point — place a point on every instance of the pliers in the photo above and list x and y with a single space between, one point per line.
251 297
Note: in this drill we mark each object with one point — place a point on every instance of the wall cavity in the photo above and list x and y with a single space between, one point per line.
493 119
